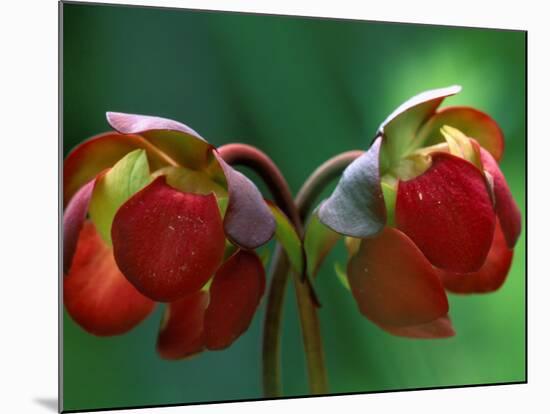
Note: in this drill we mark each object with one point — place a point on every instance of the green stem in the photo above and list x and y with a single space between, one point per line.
251 157
305 199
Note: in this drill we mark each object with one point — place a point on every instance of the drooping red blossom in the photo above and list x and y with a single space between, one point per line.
150 211
448 221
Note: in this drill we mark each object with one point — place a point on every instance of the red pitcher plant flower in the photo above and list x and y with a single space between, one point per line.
425 209
154 214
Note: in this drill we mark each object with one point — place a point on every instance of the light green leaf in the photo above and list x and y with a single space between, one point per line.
319 240
285 233
341 275
129 175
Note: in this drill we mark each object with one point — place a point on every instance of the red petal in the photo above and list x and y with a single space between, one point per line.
505 205
234 296
393 283
440 328
73 219
168 243
182 332
471 122
96 295
447 211
100 152
492 274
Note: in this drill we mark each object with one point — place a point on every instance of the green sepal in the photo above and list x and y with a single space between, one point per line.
341 275
286 234
128 176
318 241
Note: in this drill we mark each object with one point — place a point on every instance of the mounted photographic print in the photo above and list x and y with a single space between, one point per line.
262 206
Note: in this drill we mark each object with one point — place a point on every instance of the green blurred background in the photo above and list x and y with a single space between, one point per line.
302 90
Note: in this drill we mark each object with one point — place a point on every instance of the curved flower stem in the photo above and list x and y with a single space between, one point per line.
248 156
320 178
251 157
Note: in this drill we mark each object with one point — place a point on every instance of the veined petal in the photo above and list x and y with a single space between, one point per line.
473 123
248 221
73 219
399 129
100 152
168 243
182 329
440 328
181 143
393 283
505 205
356 207
96 295
492 274
235 294
448 212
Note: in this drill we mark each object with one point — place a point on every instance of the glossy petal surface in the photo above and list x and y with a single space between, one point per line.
356 207
182 331
448 212
471 122
507 210
168 243
492 274
234 297
248 221
440 328
393 283
96 294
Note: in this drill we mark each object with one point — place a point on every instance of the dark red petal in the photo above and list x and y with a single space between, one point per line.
492 274
166 242
73 219
440 328
234 296
182 331
505 205
96 295
100 152
248 222
447 211
393 283
471 122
